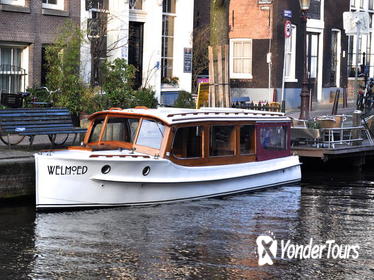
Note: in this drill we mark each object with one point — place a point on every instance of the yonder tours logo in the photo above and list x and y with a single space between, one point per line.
267 249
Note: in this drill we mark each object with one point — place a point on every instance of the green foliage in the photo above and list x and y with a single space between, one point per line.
185 100
118 87
171 81
313 124
144 97
38 94
63 59
118 83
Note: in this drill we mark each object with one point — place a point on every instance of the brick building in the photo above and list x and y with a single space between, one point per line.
257 33
25 27
259 51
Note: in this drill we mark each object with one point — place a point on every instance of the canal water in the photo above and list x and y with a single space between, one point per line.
206 239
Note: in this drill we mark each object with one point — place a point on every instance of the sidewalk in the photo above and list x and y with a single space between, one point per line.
323 110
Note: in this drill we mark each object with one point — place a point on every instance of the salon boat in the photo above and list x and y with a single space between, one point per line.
150 156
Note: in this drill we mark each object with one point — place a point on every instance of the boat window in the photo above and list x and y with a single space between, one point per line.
222 140
273 138
247 146
187 142
121 129
96 129
151 134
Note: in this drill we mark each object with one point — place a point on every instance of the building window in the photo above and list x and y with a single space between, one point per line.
53 4
241 59
315 9
290 56
167 39
13 2
12 75
97 4
168 6
361 4
353 3
371 4
363 49
136 4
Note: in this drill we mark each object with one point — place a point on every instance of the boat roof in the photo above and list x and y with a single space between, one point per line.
179 115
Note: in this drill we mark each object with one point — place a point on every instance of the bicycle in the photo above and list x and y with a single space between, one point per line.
365 99
41 97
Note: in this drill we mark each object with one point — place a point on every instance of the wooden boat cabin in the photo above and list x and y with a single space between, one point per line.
210 136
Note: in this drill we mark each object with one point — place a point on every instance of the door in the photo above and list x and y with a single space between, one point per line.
136 50
312 62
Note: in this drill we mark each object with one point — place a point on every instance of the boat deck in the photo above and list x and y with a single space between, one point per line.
339 151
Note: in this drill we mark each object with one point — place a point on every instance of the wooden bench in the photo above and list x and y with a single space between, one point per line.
16 124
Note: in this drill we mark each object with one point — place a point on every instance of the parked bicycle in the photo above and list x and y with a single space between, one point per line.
35 98
365 98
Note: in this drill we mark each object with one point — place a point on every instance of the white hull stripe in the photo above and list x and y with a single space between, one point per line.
91 205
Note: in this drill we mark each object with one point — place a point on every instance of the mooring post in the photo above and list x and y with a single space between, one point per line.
356 122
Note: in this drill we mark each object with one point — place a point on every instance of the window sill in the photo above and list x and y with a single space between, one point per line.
58 13
291 80
169 86
15 9
241 76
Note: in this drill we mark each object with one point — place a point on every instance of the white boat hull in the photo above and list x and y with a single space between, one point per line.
63 182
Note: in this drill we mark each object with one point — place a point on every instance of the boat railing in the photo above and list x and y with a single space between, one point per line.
332 136
328 132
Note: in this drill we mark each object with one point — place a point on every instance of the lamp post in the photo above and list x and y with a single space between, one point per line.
305 94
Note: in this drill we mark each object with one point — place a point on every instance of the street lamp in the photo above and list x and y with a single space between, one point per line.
305 94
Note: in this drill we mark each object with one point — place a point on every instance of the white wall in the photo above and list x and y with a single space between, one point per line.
118 29
151 15
183 39
152 45
85 66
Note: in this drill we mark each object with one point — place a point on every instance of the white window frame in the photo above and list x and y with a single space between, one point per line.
338 55
290 74
13 2
58 6
234 75
24 64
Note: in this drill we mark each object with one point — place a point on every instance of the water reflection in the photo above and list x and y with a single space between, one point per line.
207 239
17 249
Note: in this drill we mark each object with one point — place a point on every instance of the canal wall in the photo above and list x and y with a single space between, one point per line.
17 176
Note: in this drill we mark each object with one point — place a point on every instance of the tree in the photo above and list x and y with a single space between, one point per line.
101 24
200 58
62 59
219 38
117 83
219 22
118 87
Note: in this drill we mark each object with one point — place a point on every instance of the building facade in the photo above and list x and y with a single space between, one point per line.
154 36
364 48
26 26
261 55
